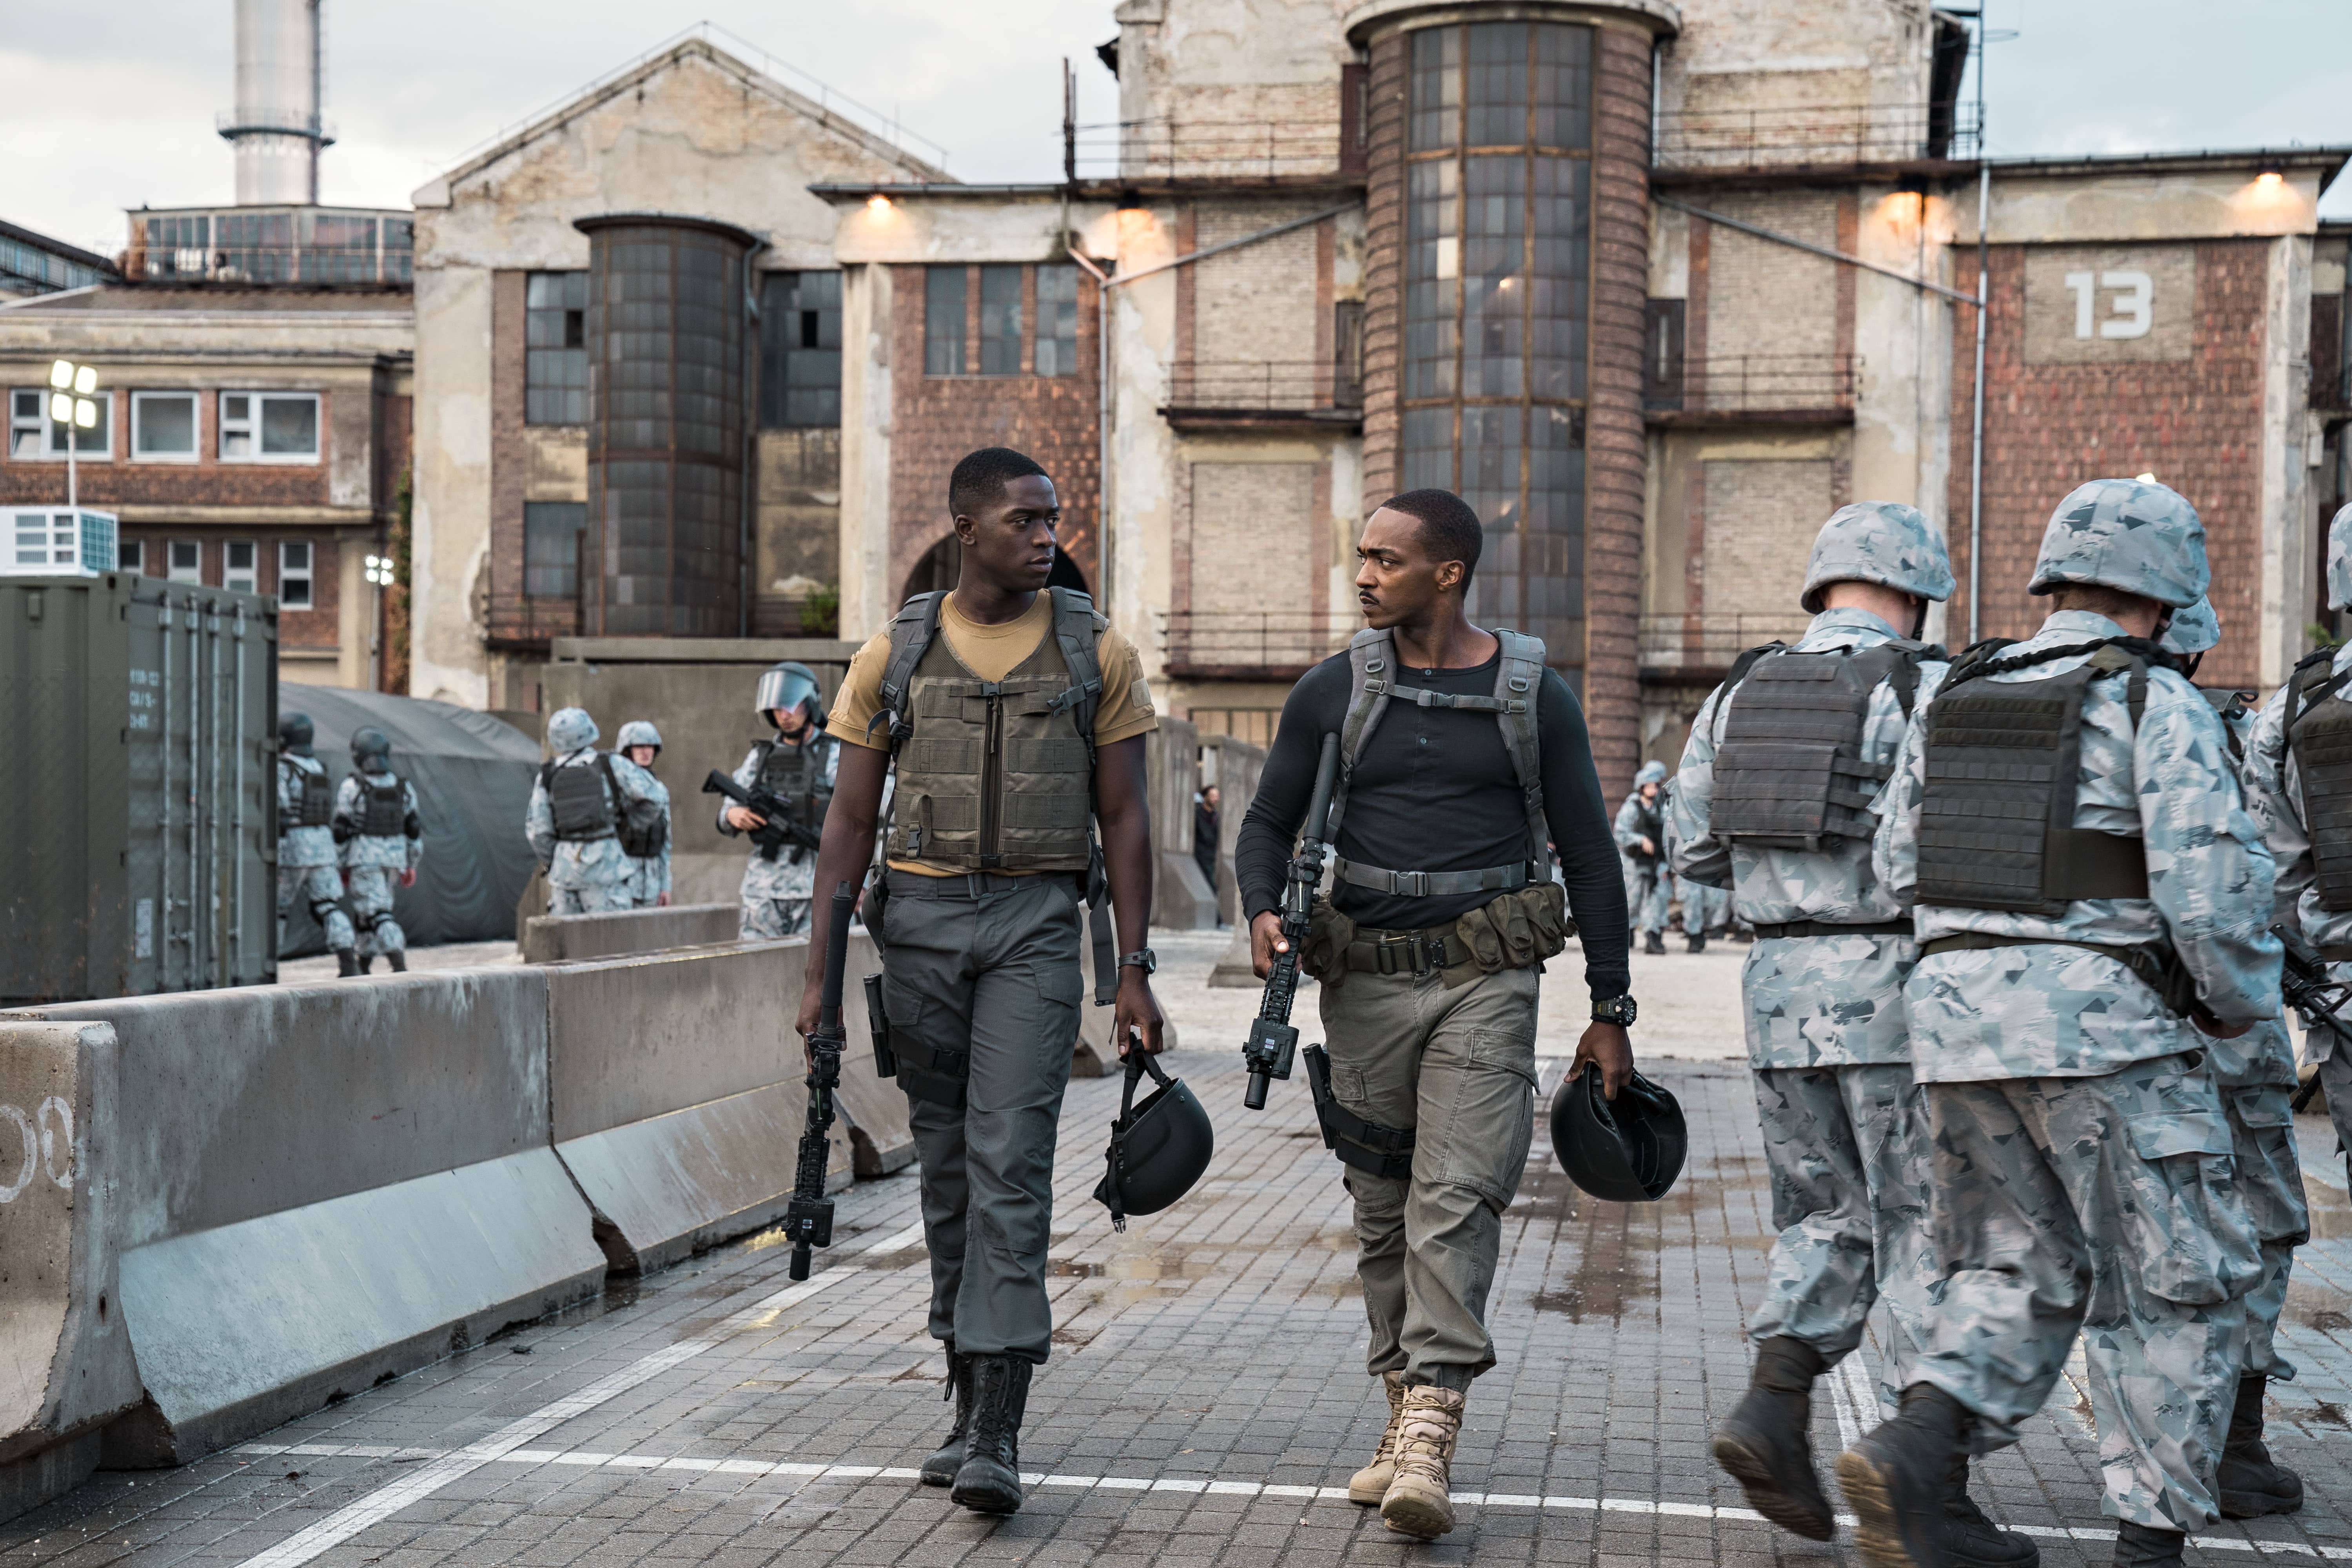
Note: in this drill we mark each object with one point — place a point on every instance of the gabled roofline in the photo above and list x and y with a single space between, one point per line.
57 247
694 43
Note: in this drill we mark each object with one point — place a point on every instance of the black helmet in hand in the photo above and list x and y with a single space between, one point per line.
1628 1150
1158 1149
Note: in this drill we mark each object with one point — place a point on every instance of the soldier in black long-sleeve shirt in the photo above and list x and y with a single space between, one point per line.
1443 909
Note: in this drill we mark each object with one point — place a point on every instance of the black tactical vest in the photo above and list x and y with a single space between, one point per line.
581 804
1790 773
314 801
2319 733
796 774
1997 824
382 808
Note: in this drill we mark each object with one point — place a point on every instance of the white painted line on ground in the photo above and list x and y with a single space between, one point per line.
378 1506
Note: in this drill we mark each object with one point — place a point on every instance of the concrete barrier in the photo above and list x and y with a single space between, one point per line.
1239 767
319 1186
678 1093
1181 896
562 939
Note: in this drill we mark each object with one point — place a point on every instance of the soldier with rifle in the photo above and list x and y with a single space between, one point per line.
1014 717
1457 756
781 789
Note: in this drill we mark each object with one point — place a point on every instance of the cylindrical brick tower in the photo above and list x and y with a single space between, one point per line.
1507 262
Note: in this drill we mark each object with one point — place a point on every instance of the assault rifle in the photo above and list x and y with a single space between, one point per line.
808 1218
1271 1038
781 827
2304 985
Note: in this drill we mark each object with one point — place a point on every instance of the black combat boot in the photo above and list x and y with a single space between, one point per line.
1972 1540
347 963
2144 1546
990 1478
2251 1482
1897 1476
940 1470
1698 941
367 963
398 959
1764 1444
1654 942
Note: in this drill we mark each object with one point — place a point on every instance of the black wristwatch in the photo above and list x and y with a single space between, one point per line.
1142 958
1617 1010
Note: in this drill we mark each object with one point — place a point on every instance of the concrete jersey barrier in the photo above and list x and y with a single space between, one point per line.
571 938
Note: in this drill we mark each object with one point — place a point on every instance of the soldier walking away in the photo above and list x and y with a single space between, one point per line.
1005 706
380 840
1461 755
1774 797
305 841
799 765
650 886
583 800
2092 907
1641 834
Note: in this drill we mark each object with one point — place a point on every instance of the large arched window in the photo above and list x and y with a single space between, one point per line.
1498 304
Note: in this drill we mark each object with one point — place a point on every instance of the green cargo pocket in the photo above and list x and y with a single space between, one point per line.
2183 1214
1491 1124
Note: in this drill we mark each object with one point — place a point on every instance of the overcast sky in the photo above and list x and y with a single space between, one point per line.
108 106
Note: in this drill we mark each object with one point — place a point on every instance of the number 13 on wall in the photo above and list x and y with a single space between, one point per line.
2130 308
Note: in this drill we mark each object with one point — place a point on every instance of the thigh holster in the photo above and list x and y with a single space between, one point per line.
938 1076
1367 1146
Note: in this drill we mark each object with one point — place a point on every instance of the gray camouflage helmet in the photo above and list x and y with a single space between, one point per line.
2193 630
570 728
1653 772
371 745
2138 538
2339 561
1880 542
788 685
637 733
295 734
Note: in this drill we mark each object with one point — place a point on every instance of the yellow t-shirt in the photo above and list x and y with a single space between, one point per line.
991 653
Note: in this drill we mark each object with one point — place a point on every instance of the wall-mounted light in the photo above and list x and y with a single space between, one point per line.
878 206
380 570
2269 180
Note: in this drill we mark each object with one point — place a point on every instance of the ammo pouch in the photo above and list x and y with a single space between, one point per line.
1518 931
1329 934
1377 1150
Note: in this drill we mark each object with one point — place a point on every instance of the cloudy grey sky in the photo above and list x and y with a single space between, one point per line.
108 106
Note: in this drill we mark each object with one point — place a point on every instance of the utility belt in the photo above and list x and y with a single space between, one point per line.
2156 966
1518 931
1767 933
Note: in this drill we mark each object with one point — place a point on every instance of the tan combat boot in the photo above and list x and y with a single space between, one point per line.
1417 1503
1370 1484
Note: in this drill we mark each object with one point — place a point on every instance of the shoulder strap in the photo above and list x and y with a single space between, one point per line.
1372 659
2312 682
1745 662
605 760
911 631
1519 688
1078 629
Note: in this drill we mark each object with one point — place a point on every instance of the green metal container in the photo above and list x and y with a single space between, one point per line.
137 750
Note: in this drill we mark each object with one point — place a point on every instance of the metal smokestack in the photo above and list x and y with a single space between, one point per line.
276 126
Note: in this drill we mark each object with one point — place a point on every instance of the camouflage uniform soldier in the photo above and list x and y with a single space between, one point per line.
577 809
1774 795
649 884
305 841
379 841
800 765
2086 882
1641 831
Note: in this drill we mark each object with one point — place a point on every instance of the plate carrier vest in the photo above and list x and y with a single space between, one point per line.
999 776
797 774
383 808
314 805
1371 654
1790 772
580 799
2319 733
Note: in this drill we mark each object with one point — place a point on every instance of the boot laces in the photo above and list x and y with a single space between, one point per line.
1425 1434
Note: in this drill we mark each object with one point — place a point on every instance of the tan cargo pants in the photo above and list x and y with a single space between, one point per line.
1459 1067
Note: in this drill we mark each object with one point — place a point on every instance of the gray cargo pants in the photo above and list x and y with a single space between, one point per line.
1459 1067
980 981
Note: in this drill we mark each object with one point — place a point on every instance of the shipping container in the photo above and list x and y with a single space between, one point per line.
138 786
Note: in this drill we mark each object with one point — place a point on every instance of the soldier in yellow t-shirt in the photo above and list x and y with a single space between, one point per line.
1014 717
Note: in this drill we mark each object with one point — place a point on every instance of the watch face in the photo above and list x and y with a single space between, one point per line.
1619 1010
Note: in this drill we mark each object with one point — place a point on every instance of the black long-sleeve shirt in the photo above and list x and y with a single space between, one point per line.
1436 792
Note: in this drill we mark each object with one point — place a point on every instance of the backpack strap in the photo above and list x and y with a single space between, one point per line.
1518 685
1372 674
1078 629
911 631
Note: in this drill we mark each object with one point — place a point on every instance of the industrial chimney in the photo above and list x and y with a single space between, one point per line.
276 126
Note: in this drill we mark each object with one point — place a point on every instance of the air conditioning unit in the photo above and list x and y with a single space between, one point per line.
57 541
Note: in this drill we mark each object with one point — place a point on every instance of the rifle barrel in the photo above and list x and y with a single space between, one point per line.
1327 777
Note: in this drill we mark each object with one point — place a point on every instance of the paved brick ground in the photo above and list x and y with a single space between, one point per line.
1208 1390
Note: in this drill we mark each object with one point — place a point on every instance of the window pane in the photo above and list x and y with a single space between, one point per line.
289 426
555 351
1433 279
943 320
1058 319
1563 86
1490 483
1497 84
800 350
164 426
1436 88
551 548
1561 287
1429 448
999 321
1494 281
98 440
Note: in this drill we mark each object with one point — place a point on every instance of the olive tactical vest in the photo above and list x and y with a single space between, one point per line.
1519 675
2319 733
314 804
1790 773
382 808
797 774
2003 761
581 805
995 774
